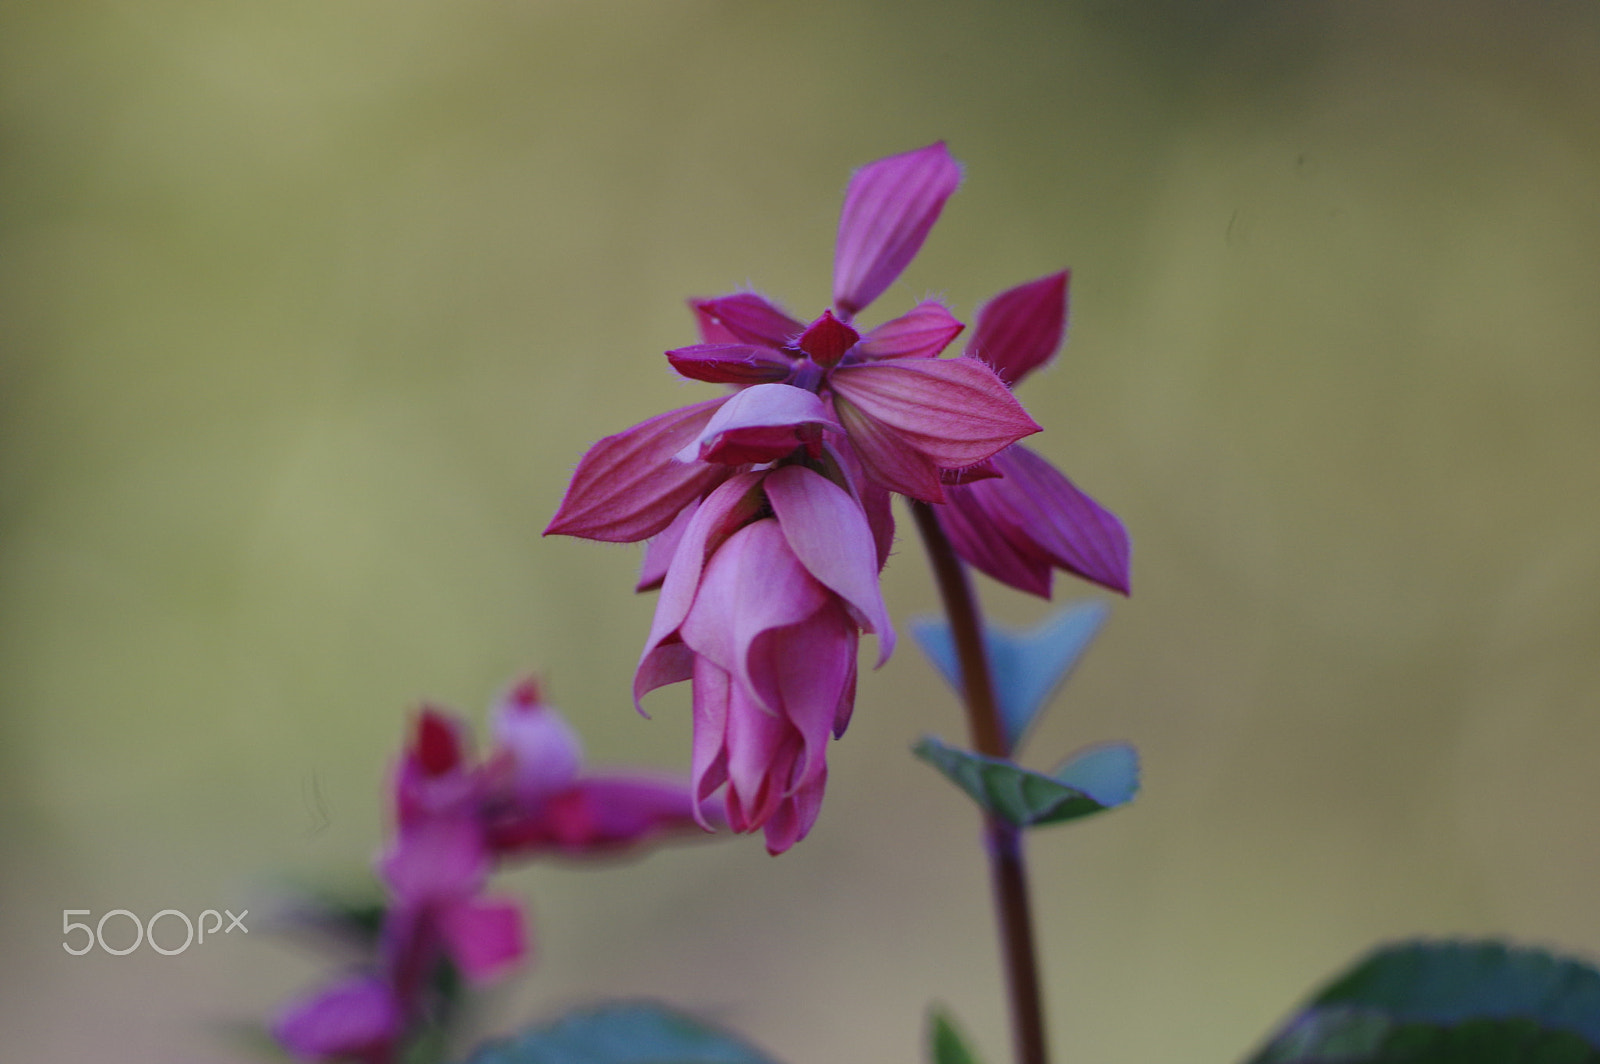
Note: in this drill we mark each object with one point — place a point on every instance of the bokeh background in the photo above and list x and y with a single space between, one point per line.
309 308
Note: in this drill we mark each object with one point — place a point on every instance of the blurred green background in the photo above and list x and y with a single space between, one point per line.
310 307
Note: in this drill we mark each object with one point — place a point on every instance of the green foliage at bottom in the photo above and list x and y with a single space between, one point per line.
621 1033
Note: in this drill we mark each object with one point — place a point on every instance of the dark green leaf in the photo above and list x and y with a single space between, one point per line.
1449 1003
945 1042
622 1033
1022 796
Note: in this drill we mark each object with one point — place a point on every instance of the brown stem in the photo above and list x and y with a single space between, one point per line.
1003 840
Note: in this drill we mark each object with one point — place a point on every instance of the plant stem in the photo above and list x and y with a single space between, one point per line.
1003 839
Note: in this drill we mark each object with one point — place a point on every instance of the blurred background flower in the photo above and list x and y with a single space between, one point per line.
299 299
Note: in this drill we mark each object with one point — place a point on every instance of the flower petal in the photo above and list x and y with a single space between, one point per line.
828 532
735 501
628 487
752 584
483 938
351 1018
441 857
989 546
1021 328
708 770
1077 533
545 751
658 551
886 456
731 363
795 816
873 496
923 333
954 411
808 667
744 318
889 208
763 423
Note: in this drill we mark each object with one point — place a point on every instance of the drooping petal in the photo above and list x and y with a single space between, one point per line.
731 363
1021 328
1077 533
829 534
713 687
762 748
827 339
761 424
629 486
352 1018
889 208
806 669
989 545
752 584
744 318
887 457
954 411
735 501
794 817
483 938
923 333
660 548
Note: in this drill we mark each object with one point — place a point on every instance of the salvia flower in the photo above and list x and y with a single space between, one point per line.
456 819
768 508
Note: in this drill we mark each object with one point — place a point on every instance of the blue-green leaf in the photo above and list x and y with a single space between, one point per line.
1027 666
946 1044
1449 1003
1107 772
622 1033
1022 796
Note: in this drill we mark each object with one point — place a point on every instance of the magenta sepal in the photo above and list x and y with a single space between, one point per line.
744 318
888 209
1020 329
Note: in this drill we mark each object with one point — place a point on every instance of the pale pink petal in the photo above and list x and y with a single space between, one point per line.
1021 328
829 534
352 1018
483 938
955 411
808 668
762 748
744 318
441 857
889 208
545 750
889 460
731 363
1077 533
923 333
733 502
713 688
761 424
629 486
660 548
753 583
989 546
873 496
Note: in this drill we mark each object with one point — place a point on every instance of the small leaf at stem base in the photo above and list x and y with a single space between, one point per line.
1031 799
621 1033
946 1045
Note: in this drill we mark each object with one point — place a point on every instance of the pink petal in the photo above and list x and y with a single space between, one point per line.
545 751
829 534
628 487
889 208
808 668
660 548
441 857
954 411
873 496
352 1018
744 318
1021 328
1077 533
762 748
988 545
731 363
886 456
795 816
713 688
763 423
752 584
735 501
923 333
483 938
827 339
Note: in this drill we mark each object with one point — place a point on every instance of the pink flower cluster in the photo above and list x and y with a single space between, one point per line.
455 819
769 507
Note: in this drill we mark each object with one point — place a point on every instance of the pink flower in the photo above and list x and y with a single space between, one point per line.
1029 520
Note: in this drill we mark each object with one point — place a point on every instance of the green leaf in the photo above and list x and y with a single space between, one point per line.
1449 1003
945 1042
1022 796
1026 666
621 1033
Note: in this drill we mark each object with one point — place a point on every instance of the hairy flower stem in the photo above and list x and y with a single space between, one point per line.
1003 839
